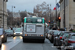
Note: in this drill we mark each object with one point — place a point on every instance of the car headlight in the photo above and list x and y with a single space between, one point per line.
20 33
14 33
2 36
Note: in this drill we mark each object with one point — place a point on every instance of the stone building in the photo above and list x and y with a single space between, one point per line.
69 13
5 14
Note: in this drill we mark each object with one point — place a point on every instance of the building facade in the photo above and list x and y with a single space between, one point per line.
5 14
69 14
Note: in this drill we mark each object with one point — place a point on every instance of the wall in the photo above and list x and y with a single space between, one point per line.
5 14
72 13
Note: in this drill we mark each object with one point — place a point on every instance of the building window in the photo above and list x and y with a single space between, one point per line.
73 0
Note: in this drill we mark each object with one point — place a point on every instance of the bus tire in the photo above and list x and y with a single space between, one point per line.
42 41
23 40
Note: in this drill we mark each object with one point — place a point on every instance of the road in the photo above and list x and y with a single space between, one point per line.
17 44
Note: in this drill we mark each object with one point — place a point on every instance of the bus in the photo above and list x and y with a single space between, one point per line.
34 29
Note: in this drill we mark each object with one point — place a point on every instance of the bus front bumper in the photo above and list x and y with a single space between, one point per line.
34 37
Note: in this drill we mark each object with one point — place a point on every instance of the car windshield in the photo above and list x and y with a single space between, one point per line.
8 30
56 32
65 34
18 30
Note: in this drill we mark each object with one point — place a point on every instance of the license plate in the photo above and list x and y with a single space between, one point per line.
33 35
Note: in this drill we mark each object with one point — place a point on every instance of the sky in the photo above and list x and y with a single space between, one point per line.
28 5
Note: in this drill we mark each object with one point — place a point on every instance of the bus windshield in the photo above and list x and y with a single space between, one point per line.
34 20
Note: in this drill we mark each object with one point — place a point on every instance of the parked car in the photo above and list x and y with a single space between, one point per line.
48 34
3 35
18 32
58 39
53 34
69 42
9 32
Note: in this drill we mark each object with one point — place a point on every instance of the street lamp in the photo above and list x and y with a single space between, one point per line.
12 14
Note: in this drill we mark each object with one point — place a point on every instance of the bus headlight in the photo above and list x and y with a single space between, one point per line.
2 36
20 33
14 33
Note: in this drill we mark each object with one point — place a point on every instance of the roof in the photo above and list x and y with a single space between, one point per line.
32 17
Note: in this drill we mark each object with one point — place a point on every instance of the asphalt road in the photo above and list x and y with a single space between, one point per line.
17 44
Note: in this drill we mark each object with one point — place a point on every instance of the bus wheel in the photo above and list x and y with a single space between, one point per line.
23 40
42 41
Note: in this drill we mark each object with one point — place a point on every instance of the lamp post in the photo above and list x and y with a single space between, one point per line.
12 14
3 14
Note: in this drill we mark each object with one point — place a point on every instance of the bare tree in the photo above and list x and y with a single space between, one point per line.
9 18
23 14
43 10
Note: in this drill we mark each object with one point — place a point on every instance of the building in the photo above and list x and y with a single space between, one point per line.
69 13
5 14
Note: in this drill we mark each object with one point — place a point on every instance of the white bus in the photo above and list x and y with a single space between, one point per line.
34 29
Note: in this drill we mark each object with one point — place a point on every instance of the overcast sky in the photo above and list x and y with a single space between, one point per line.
27 5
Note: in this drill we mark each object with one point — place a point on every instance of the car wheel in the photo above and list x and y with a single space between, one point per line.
6 39
54 43
0 45
3 40
57 43
51 40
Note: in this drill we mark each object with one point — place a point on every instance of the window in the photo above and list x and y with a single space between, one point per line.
34 20
73 0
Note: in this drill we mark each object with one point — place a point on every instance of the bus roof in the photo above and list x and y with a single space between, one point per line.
33 17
